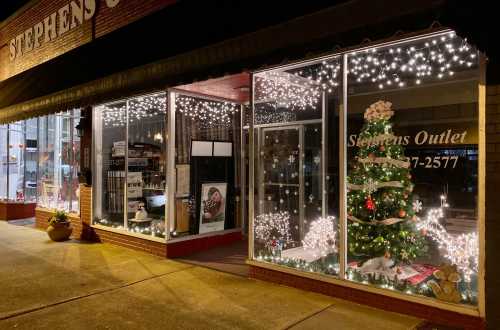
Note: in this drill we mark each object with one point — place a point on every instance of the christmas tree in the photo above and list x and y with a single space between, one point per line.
381 215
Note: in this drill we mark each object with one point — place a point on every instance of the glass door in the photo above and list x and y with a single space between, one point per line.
281 164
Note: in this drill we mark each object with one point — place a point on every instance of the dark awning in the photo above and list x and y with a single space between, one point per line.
108 68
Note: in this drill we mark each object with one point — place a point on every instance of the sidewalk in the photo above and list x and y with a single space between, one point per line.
75 285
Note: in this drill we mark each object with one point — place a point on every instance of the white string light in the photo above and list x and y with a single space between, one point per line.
434 58
462 250
272 227
207 113
138 108
321 237
282 90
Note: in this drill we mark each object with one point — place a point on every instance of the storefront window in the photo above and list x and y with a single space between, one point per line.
412 127
31 160
18 161
57 179
411 167
296 215
207 166
130 165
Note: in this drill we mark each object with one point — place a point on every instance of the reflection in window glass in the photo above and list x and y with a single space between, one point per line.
129 180
412 168
110 124
31 160
296 173
57 180
4 161
16 161
18 157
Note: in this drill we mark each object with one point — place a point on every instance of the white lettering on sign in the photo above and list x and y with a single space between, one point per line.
66 18
421 138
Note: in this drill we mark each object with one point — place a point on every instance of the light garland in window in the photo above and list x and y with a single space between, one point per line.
138 109
283 90
206 113
434 58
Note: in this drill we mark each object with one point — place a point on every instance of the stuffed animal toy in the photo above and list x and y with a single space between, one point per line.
447 287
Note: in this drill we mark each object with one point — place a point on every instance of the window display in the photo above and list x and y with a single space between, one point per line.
207 192
18 156
130 165
410 126
58 160
412 167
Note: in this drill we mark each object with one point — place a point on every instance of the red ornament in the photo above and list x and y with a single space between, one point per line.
381 148
402 213
370 204
371 155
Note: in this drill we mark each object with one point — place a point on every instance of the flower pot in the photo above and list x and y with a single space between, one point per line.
59 232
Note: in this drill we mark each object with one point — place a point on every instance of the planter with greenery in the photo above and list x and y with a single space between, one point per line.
60 227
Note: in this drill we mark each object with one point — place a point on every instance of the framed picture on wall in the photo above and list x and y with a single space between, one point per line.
213 206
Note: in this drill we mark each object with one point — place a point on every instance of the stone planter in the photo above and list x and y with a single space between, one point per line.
59 232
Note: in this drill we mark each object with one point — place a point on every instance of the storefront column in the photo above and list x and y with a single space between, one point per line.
170 218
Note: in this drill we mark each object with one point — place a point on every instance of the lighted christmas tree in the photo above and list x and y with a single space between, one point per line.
382 220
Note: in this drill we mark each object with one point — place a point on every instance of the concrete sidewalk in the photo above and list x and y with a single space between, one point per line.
75 285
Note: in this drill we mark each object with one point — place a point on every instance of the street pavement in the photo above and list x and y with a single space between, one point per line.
78 285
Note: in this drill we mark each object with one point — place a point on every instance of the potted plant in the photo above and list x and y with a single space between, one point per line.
59 227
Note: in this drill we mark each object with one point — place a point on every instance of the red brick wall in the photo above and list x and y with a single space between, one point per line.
105 20
12 211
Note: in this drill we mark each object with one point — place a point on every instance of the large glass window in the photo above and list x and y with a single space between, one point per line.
207 165
18 157
58 160
296 210
412 126
16 161
31 160
408 128
130 165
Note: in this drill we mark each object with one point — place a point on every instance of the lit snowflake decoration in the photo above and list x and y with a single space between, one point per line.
317 160
271 227
321 237
417 206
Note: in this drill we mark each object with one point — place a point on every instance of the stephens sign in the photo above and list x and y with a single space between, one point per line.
66 18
